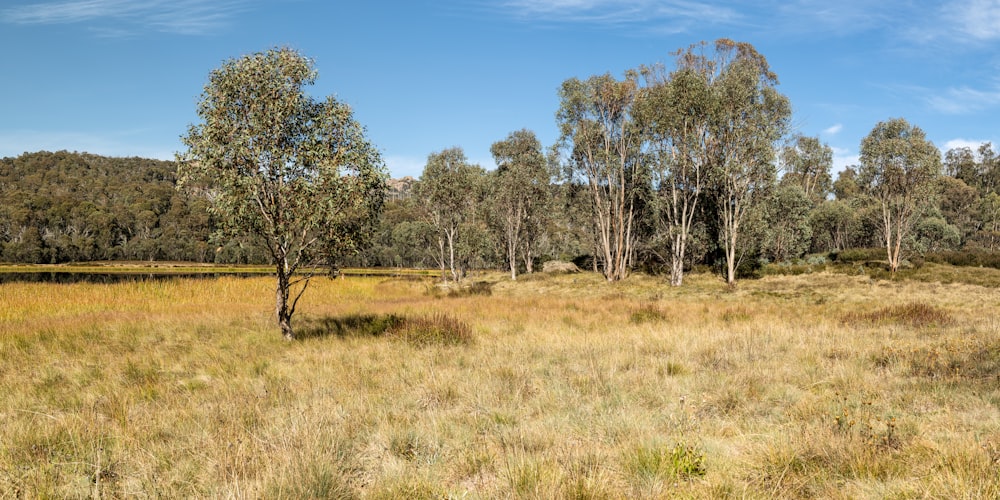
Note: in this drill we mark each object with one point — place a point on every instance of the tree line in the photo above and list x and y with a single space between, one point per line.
690 164
669 167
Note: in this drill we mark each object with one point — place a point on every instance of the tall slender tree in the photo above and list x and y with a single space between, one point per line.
520 191
899 168
283 167
748 119
674 110
448 190
604 147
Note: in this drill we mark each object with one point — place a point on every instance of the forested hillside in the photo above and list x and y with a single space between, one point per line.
64 207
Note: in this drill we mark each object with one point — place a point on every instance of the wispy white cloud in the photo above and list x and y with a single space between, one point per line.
963 143
833 130
962 100
843 158
189 17
659 15
978 20
841 17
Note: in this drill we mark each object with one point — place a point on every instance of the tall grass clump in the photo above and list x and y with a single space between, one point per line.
915 315
437 329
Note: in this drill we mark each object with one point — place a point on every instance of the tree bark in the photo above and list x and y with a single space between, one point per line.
282 309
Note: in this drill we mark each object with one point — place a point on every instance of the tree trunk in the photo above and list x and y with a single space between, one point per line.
731 259
441 258
282 309
512 251
451 254
677 261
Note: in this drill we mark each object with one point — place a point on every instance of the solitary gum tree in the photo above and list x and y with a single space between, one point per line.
749 117
520 194
899 167
294 172
599 130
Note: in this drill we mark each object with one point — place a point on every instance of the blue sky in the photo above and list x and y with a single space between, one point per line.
122 77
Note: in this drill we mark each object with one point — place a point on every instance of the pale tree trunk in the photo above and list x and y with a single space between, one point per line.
677 258
513 235
441 259
512 261
731 234
891 247
450 235
282 308
731 261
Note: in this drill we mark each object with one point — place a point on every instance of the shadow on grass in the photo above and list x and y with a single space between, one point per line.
439 329
355 325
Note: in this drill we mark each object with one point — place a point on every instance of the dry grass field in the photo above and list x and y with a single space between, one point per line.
821 385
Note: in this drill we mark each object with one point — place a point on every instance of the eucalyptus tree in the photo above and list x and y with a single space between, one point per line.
988 236
448 190
290 170
832 224
520 192
899 169
604 146
979 169
748 118
808 162
961 164
675 111
846 187
989 168
959 206
788 233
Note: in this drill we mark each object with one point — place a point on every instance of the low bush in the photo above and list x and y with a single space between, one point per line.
966 258
857 255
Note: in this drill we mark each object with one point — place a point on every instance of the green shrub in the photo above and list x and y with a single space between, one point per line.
682 462
855 255
966 258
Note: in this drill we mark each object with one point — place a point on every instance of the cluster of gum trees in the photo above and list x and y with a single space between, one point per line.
689 164
476 217
657 142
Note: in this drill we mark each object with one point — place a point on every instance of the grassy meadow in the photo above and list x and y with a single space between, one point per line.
555 386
